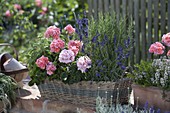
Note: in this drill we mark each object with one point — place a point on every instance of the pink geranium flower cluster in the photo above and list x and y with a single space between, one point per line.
69 29
75 46
84 63
44 63
8 13
66 56
158 48
39 3
53 32
64 49
16 7
56 45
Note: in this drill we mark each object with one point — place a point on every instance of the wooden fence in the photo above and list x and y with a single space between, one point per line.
151 20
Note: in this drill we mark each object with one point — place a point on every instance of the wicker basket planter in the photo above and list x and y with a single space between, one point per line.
85 92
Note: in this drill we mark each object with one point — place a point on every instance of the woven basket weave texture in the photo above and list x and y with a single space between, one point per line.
85 92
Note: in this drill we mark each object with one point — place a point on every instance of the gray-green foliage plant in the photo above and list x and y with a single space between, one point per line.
108 42
5 101
7 87
103 107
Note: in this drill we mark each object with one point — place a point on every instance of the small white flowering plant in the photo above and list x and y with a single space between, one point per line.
57 55
155 72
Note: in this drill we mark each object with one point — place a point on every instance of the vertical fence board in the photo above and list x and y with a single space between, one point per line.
168 15
143 28
156 8
106 5
163 11
95 8
124 5
130 8
137 39
118 8
130 13
149 20
90 7
112 5
100 5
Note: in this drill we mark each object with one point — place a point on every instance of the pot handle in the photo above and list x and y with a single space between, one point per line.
15 51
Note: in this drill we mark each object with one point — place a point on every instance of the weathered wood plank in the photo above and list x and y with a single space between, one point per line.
130 14
143 28
90 7
117 8
163 11
168 15
149 20
137 39
156 15
95 8
124 5
100 6
106 5
130 7
112 5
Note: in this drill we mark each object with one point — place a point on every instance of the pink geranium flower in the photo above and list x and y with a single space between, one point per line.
42 62
83 63
38 3
52 31
50 67
66 56
56 45
44 10
166 39
8 13
17 6
21 12
157 48
168 53
75 46
69 29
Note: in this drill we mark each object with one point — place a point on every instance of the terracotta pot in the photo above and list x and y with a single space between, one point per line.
153 95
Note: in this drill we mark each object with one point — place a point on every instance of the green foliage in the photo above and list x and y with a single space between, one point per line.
7 86
152 73
109 51
35 51
15 29
142 73
109 44
68 73
25 24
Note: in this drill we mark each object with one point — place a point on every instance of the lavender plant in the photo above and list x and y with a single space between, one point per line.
108 42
